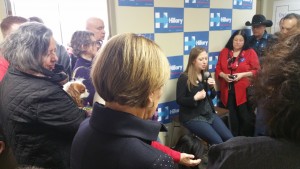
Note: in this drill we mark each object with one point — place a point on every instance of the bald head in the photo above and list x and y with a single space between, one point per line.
96 25
290 23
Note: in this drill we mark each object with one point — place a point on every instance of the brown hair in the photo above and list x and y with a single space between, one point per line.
190 69
277 88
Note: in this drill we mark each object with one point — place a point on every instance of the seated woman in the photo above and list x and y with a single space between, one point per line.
84 46
39 118
196 111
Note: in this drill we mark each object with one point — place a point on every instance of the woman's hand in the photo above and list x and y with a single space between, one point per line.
211 82
200 95
239 76
227 77
188 160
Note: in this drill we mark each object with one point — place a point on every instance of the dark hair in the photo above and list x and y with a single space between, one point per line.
241 32
278 85
35 19
190 144
79 41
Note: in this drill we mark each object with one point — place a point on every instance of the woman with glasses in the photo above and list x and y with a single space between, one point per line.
236 64
84 47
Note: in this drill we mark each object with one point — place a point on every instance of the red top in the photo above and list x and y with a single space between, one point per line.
172 153
247 61
3 67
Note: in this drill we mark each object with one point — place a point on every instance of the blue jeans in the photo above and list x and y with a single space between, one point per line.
214 133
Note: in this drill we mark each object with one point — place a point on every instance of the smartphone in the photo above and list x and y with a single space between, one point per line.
232 76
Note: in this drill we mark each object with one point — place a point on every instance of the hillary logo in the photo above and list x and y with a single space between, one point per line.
237 2
190 1
166 110
196 3
215 19
212 61
189 42
163 114
242 4
220 19
176 66
168 20
165 20
161 21
192 39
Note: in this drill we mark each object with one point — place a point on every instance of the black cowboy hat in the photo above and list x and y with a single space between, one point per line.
259 20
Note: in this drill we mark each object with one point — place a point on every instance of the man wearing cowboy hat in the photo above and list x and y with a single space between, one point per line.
258 41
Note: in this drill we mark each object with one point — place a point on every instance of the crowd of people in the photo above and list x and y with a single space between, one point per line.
43 127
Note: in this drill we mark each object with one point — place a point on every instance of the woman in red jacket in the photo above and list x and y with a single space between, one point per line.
236 64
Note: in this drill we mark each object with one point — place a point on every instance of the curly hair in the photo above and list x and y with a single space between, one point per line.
80 41
278 85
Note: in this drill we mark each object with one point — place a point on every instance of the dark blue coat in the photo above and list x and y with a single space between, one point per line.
117 140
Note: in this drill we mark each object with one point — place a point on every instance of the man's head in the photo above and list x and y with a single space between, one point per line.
290 24
10 24
259 24
96 25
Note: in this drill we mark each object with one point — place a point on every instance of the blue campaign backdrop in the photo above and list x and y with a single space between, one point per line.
176 66
196 3
168 20
220 19
192 39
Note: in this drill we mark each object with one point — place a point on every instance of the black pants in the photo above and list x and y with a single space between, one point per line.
241 119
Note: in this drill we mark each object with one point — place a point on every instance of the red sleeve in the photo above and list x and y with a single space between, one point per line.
221 63
3 67
254 62
172 153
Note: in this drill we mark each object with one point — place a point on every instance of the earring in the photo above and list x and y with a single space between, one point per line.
152 105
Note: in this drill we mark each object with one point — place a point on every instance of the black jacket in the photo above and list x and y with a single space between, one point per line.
112 139
188 107
39 119
254 152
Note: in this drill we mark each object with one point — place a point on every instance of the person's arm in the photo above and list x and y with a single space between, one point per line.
181 158
181 93
58 111
172 153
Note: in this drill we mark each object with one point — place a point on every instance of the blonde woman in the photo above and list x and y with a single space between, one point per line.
129 74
